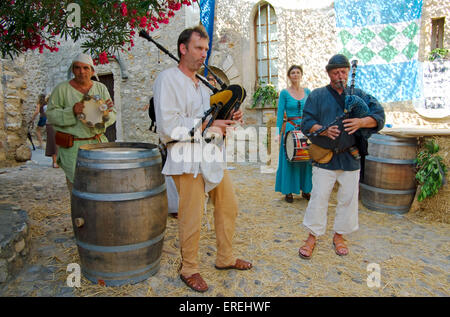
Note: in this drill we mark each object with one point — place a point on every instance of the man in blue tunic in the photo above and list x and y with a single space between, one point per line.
323 106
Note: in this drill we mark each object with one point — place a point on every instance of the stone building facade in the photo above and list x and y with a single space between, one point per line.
306 32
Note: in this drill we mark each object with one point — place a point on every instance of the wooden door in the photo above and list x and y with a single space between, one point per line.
108 81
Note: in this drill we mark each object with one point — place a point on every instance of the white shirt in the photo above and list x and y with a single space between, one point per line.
179 105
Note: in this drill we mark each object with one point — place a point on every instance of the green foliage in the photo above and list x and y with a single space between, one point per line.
431 171
265 95
438 53
103 26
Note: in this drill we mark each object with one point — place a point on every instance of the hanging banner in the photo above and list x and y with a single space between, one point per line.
384 37
207 20
435 99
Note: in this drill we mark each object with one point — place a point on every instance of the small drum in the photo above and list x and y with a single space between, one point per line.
95 112
296 146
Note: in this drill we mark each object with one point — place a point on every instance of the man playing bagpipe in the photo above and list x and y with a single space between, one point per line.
180 100
338 122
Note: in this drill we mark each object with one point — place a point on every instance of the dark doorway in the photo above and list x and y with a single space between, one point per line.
108 81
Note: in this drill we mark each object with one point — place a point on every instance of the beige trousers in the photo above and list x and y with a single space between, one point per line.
323 180
191 193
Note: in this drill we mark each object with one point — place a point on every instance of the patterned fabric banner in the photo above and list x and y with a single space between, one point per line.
384 37
207 20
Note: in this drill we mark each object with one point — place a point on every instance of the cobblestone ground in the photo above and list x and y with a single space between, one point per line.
412 254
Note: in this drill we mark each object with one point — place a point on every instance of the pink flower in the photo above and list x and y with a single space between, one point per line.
123 9
103 58
143 22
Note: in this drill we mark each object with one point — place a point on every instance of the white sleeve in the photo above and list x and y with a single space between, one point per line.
172 121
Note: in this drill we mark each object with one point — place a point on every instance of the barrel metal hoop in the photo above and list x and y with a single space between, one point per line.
386 208
117 166
122 155
119 196
389 161
375 141
388 191
120 248
95 276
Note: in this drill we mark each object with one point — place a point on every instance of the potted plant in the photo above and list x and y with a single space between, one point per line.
265 95
438 53
431 171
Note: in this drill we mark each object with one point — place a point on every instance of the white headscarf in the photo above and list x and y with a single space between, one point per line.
86 59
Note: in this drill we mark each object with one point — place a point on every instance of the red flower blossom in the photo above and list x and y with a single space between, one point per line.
123 9
103 58
143 22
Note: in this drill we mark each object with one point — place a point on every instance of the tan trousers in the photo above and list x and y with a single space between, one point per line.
191 193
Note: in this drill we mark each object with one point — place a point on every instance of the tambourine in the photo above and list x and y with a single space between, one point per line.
95 112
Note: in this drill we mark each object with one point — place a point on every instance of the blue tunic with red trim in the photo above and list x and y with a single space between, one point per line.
292 177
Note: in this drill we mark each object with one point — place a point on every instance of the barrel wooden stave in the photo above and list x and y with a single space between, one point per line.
389 176
391 201
122 201
108 226
389 183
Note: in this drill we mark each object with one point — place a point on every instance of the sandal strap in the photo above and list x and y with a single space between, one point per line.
309 245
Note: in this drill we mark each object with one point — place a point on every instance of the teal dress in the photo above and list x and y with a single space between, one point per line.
297 176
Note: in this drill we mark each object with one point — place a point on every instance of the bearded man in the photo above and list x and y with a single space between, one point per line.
322 107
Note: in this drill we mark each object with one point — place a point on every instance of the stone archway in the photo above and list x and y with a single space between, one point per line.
223 64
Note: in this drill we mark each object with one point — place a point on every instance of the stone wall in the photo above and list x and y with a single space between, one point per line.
306 34
13 129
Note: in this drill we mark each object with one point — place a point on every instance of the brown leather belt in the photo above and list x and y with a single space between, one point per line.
95 137
291 121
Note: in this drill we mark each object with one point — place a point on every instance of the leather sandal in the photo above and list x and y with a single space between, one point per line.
307 248
195 282
339 245
307 196
289 198
238 265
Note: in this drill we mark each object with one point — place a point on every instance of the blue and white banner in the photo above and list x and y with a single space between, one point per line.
384 37
207 20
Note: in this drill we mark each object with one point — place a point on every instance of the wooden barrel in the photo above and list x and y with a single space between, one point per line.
389 183
119 211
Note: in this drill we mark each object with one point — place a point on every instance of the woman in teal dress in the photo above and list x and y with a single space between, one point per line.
292 177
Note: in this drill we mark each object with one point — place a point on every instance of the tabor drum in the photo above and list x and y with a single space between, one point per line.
296 146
